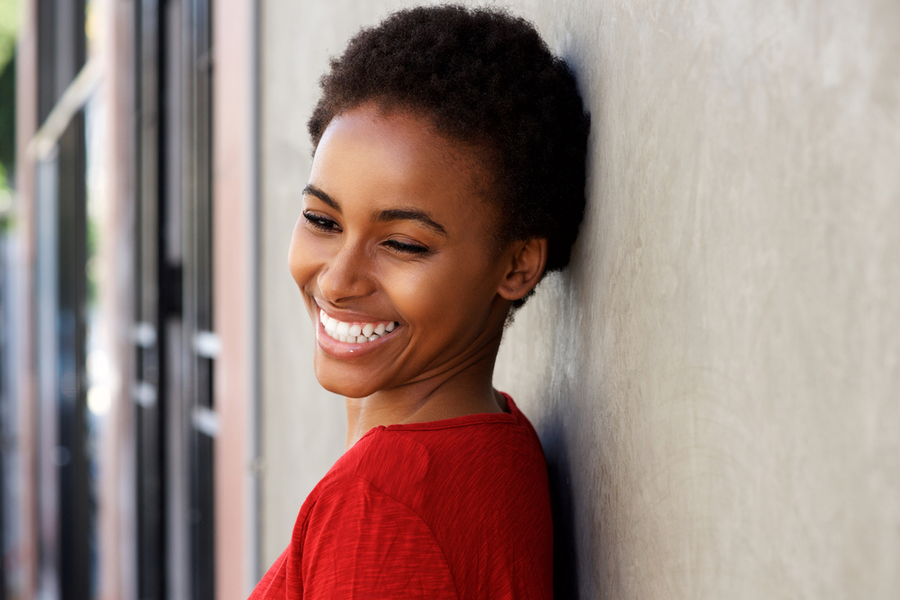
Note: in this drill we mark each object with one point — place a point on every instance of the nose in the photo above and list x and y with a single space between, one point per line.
346 275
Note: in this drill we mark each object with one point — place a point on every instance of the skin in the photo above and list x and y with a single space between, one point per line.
393 229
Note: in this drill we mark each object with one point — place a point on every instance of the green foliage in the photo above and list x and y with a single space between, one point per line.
9 25
8 115
5 201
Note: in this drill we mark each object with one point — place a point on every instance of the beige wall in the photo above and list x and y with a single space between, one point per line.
716 380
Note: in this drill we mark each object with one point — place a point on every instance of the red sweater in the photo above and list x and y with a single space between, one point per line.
448 509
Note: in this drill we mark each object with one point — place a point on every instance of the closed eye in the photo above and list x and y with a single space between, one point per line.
320 222
405 248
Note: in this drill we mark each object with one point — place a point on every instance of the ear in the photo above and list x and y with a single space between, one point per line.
526 265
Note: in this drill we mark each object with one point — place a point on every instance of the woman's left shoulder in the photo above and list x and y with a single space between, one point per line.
499 451
470 441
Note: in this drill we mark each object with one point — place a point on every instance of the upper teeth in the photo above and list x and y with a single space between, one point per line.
354 332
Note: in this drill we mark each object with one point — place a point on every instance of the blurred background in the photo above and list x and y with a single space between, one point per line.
112 335
715 379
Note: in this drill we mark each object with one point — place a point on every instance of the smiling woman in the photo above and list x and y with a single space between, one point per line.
447 179
395 234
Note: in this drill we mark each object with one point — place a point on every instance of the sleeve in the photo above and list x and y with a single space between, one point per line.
359 543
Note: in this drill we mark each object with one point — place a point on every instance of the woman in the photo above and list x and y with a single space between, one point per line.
448 177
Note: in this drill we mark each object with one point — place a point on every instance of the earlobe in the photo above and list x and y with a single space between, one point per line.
526 265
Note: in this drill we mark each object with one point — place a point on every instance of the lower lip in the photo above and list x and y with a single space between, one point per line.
343 350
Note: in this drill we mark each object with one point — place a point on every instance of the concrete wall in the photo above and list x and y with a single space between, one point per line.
716 380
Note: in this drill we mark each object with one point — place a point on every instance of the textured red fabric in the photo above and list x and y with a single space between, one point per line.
449 509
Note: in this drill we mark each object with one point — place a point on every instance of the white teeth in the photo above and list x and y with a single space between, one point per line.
355 333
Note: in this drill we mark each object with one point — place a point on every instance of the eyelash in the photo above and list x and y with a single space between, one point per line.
406 248
327 225
320 223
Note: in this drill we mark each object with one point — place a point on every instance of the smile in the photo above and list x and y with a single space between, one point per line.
358 333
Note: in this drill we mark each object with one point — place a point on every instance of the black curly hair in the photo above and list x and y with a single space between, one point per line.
484 78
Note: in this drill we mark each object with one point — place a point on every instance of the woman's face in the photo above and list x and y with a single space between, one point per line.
394 254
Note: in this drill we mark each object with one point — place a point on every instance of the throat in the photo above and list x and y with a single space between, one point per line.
383 409
463 389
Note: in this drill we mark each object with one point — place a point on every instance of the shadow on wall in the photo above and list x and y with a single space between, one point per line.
565 561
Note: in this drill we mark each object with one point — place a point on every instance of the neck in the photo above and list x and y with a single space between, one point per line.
460 390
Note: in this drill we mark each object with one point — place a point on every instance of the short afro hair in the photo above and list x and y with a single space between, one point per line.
484 78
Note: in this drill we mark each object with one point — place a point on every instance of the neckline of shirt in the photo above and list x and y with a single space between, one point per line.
510 418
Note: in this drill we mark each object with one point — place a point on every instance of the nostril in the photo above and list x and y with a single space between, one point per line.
347 277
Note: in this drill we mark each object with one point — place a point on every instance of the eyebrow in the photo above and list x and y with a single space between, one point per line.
408 214
314 191
384 216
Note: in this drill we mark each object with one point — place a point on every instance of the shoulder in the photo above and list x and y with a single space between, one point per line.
462 458
354 528
449 509
477 485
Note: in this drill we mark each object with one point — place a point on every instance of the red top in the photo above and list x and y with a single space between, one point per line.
458 508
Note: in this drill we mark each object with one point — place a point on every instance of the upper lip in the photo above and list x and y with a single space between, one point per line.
350 316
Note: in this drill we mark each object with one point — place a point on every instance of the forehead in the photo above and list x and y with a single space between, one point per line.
376 159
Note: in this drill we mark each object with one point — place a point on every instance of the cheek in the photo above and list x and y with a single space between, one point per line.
450 297
300 255
426 297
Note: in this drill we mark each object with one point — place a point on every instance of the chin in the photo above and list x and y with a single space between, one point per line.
341 383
